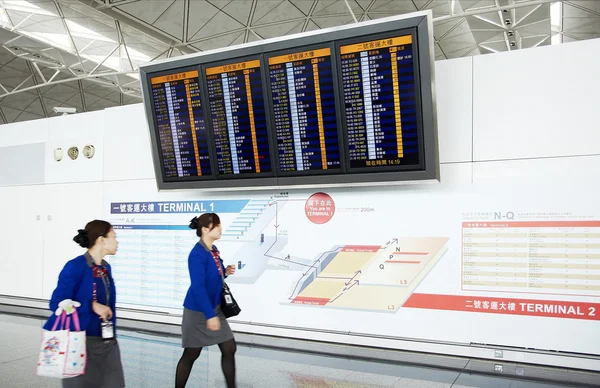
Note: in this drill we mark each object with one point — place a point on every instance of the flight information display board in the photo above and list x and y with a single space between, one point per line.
380 103
238 118
304 111
179 121
351 105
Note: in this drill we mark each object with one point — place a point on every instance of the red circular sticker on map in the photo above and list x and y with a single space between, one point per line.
319 208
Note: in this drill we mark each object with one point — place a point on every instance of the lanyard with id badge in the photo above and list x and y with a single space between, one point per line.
107 328
229 305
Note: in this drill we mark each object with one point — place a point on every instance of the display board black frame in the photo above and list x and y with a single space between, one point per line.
418 24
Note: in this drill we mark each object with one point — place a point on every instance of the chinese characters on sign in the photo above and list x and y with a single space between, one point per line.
319 208
175 77
197 207
234 67
487 305
304 55
376 44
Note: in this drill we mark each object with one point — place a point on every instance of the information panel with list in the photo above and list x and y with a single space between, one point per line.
304 111
237 113
179 118
380 106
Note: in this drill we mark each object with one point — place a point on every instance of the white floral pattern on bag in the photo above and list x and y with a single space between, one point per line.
51 351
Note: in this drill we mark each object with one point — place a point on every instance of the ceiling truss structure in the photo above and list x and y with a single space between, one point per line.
86 53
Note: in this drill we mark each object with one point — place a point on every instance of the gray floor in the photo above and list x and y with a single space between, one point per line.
150 361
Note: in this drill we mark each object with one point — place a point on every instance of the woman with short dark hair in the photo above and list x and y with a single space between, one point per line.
87 279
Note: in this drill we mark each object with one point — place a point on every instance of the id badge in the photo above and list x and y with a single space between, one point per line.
108 331
228 299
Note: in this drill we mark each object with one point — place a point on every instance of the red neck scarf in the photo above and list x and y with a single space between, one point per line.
216 257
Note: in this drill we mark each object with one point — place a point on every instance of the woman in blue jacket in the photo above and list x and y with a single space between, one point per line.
87 279
204 324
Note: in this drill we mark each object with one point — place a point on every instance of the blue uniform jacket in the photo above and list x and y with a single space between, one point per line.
76 282
204 294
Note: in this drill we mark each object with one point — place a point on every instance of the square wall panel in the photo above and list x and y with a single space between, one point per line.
454 97
127 152
540 102
556 170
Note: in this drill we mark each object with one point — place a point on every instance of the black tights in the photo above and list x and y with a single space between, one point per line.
184 367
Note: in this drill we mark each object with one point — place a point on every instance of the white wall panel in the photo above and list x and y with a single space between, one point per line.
75 131
25 132
538 102
67 208
21 243
559 170
454 93
127 144
456 173
22 164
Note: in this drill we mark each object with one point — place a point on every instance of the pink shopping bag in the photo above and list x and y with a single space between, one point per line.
63 352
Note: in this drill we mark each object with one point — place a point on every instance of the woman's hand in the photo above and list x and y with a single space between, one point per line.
230 270
214 324
103 311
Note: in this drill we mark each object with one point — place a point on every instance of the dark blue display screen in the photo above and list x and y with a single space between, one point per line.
182 135
380 102
304 110
238 117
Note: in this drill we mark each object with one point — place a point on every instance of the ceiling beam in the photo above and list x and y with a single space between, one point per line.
39 71
186 20
39 92
144 28
250 18
122 42
309 16
12 25
105 59
68 31
82 95
351 11
367 10
480 11
108 4
62 81
575 4
22 83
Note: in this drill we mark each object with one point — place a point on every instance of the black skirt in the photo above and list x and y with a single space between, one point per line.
103 368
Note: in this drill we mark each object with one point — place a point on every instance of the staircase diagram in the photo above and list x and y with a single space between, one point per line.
250 222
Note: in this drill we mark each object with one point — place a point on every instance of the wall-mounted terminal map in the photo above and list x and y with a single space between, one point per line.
370 277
